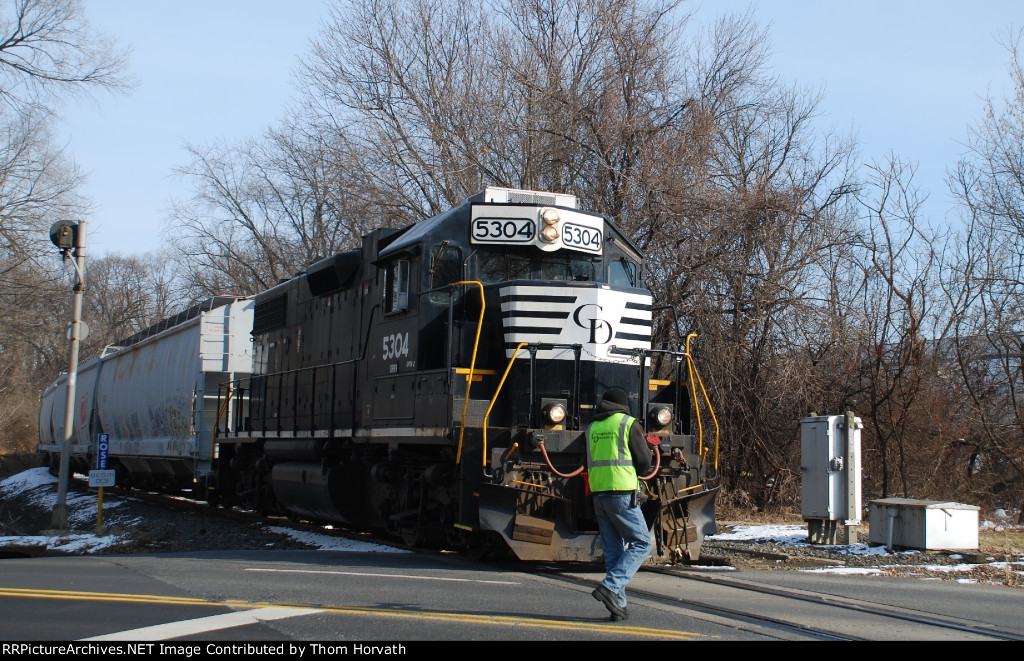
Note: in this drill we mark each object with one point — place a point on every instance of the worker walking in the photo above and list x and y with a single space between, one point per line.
617 454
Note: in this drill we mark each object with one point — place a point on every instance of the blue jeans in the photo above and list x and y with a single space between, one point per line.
625 540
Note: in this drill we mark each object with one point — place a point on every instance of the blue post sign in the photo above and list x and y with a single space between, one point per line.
101 476
102 451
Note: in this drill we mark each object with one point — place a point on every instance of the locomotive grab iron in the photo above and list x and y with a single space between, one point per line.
435 383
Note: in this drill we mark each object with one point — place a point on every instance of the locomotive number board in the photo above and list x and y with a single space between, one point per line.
519 226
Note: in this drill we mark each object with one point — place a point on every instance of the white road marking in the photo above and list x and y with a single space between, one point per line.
204 624
358 573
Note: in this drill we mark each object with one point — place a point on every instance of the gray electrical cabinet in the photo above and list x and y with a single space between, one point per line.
830 475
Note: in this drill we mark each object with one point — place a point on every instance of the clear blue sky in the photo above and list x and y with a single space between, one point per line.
906 76
207 70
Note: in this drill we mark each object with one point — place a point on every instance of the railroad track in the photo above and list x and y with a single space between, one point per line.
789 613
241 517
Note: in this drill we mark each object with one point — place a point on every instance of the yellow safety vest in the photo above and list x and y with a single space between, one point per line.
609 461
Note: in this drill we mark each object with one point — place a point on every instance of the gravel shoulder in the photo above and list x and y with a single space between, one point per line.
131 524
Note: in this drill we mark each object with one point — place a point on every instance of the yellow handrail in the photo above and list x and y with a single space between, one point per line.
472 362
494 399
694 381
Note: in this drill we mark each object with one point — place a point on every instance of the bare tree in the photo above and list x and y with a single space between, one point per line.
812 291
750 248
986 288
126 295
264 211
48 53
411 106
37 187
414 90
902 322
441 99
686 141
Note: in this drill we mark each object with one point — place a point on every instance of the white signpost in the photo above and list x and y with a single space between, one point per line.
103 477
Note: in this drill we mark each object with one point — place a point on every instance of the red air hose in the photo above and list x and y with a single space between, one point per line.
547 460
657 464
554 470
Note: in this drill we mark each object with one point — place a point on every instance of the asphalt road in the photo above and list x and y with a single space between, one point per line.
326 599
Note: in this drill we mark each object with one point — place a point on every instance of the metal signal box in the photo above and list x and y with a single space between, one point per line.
830 466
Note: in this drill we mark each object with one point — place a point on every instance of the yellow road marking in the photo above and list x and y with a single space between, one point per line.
435 616
104 596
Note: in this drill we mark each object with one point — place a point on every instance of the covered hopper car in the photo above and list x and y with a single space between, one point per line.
155 397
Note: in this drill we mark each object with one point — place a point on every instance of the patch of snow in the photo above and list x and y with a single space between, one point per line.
37 485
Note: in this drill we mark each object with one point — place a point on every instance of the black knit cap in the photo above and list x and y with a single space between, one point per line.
617 396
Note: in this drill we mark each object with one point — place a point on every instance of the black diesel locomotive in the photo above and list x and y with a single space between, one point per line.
437 384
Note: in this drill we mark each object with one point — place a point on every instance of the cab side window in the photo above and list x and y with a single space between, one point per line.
445 268
623 272
396 286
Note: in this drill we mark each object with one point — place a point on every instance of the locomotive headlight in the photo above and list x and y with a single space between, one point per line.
549 232
554 412
660 415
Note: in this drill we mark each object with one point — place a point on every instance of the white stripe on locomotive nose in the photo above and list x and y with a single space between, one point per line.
546 313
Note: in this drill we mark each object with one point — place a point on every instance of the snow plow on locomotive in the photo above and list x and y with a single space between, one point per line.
437 384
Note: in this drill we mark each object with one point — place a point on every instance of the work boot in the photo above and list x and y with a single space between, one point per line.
604 595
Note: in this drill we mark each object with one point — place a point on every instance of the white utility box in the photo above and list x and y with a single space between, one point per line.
908 523
830 475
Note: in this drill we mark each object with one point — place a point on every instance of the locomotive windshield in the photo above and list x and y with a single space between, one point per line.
489 265
500 265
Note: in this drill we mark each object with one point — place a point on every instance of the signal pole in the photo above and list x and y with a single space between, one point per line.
68 235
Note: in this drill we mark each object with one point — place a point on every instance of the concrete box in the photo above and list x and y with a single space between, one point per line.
908 523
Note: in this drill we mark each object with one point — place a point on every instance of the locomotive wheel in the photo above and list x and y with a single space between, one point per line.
422 532
411 536
478 549
488 545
